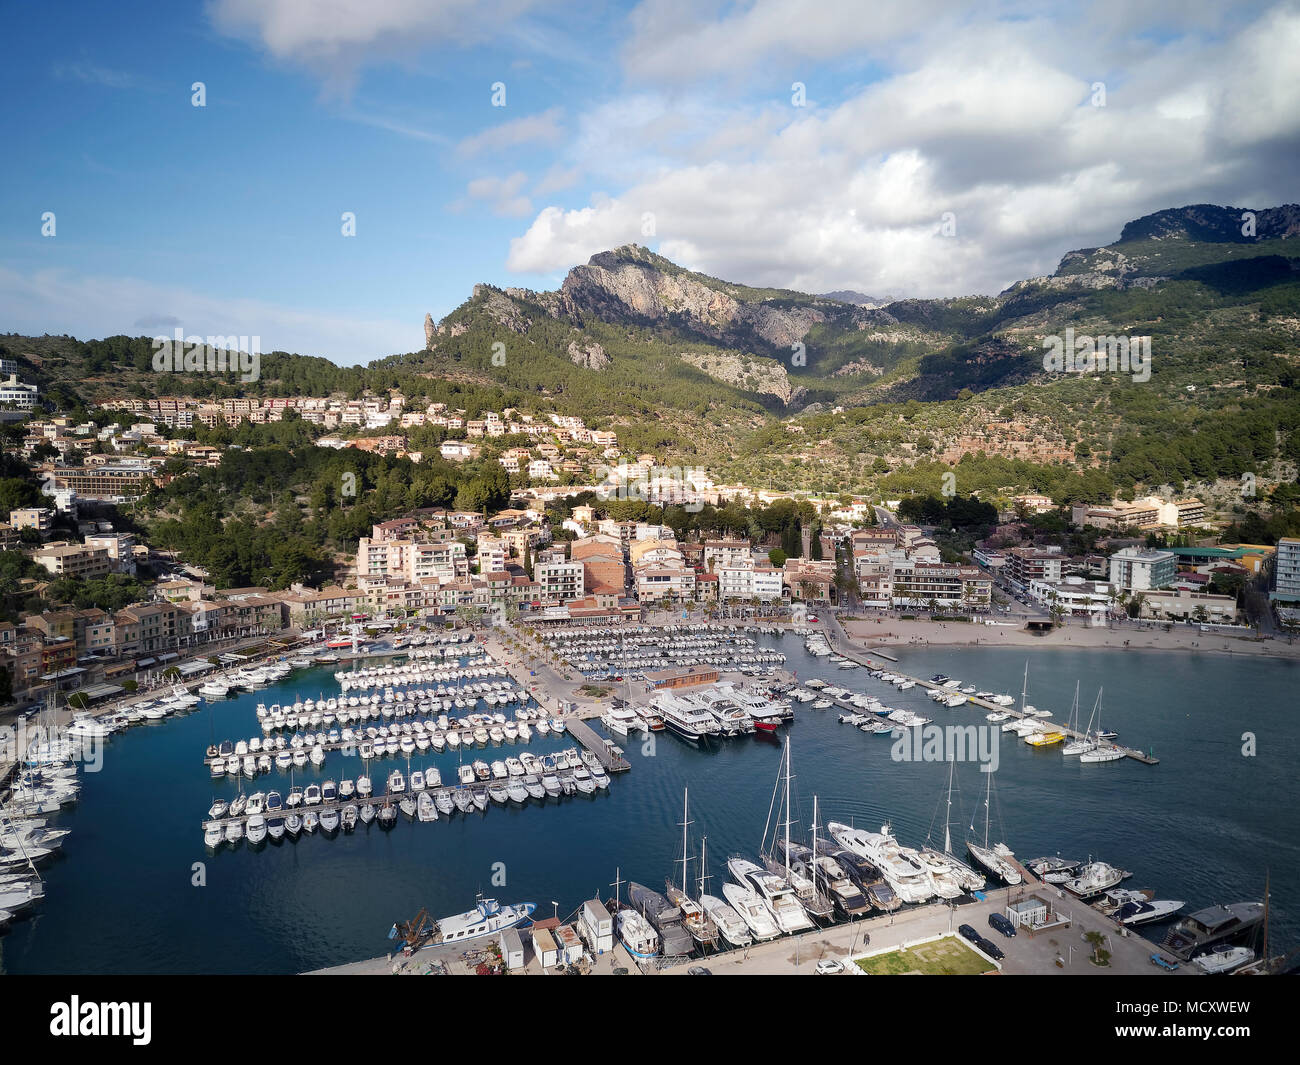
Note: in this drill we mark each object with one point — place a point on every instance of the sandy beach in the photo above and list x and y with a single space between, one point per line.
889 632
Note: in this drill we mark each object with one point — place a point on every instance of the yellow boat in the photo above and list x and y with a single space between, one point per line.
1044 739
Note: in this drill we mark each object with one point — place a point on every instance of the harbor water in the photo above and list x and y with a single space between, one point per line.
135 890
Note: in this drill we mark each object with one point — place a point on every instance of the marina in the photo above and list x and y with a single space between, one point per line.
728 783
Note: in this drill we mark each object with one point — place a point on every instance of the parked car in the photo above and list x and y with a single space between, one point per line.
991 949
969 934
699 970
1163 962
1002 923
829 967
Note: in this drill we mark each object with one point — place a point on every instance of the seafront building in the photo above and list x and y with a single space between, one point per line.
1135 569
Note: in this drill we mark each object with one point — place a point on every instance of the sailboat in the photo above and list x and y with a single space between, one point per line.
1101 752
694 918
993 858
817 904
1087 743
944 863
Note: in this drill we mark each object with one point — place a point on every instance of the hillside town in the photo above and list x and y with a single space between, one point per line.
577 565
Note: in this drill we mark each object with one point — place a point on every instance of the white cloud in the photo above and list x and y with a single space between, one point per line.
61 302
541 128
338 38
994 124
503 195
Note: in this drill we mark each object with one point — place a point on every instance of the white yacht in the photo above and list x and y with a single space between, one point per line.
899 866
729 923
745 902
776 895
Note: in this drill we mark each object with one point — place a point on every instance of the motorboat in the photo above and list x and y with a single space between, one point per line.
329 819
256 830
1224 959
1053 870
779 898
425 808
746 903
1207 928
730 925
1093 879
900 866
1147 911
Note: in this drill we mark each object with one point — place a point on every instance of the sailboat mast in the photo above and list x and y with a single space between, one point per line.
787 807
685 822
1024 688
947 820
814 844
988 794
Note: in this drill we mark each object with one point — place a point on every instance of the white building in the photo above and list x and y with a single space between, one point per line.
22 396
1138 570
1075 596
559 581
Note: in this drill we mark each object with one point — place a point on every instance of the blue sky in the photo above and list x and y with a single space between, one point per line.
226 218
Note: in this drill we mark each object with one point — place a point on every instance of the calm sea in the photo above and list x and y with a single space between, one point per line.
136 892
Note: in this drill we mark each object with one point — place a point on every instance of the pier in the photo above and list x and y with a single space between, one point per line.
865 662
378 801
351 747
609 761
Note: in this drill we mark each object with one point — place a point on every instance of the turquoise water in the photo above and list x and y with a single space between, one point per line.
1203 826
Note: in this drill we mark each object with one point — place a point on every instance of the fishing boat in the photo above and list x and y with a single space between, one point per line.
636 934
487 918
1093 879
